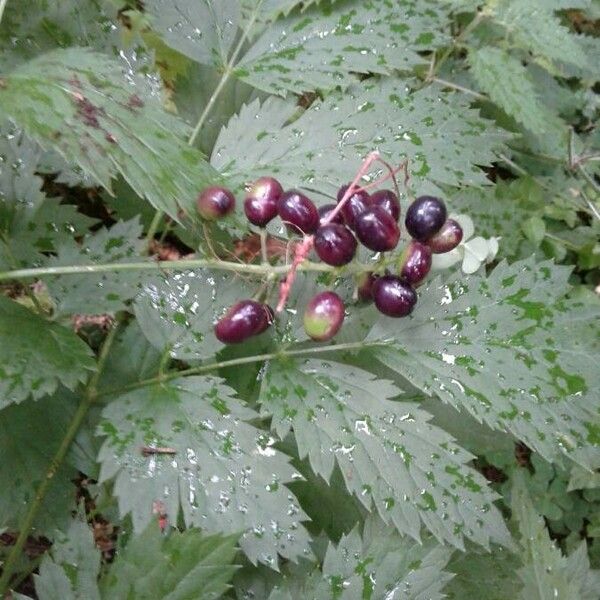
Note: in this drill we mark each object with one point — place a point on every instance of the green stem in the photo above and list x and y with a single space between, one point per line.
176 265
460 88
90 396
224 78
158 215
263 246
461 36
244 360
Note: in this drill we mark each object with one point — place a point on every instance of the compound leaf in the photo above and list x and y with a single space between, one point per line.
442 138
222 472
36 355
81 104
390 457
510 349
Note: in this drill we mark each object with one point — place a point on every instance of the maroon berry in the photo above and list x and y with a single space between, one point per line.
328 208
365 286
358 202
388 201
377 229
425 217
394 297
298 212
415 262
260 204
447 238
335 244
243 320
215 202
324 316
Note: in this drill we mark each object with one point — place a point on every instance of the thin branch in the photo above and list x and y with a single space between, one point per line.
89 398
244 360
460 88
2 7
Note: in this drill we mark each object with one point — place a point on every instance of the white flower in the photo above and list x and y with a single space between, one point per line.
473 252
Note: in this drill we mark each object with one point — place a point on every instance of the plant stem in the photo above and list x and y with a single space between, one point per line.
224 78
244 360
460 88
176 265
263 246
461 36
89 398
153 228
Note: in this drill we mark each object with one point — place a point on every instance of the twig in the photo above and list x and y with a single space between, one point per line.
90 397
2 7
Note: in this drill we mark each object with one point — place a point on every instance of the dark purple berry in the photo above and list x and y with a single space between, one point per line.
388 201
260 204
358 202
324 316
326 209
243 320
215 202
377 229
365 286
394 297
298 212
415 262
447 238
425 217
335 244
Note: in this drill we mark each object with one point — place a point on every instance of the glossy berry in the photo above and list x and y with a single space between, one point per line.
364 286
388 201
260 204
298 212
335 244
447 238
324 316
215 202
243 320
425 217
354 206
415 262
326 209
377 229
394 297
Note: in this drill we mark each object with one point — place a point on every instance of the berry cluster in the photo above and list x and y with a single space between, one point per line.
334 231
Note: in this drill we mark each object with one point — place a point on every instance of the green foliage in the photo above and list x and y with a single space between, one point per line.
221 472
453 453
511 350
36 355
150 567
389 456
111 128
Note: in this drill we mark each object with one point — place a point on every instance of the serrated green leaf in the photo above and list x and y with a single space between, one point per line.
411 472
322 47
30 435
505 80
378 566
36 355
111 127
30 223
443 139
178 312
183 566
490 575
204 31
225 475
511 350
546 572
534 27
102 292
